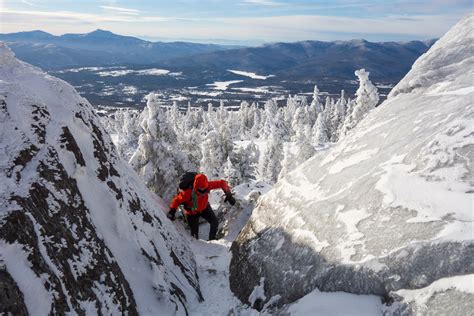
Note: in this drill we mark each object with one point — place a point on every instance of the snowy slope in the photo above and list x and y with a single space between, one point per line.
79 232
389 207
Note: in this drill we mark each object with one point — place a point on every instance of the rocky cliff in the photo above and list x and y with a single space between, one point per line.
387 209
79 232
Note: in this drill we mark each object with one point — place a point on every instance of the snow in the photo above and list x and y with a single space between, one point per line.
143 72
212 260
205 93
258 292
154 72
130 90
37 299
250 74
463 283
335 304
222 85
352 160
431 200
82 69
260 90
115 73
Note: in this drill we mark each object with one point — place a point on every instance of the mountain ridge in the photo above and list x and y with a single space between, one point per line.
79 231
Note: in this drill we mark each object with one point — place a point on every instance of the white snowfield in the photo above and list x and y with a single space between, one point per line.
222 85
79 231
249 74
402 179
143 72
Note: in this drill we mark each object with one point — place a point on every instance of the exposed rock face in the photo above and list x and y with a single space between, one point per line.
387 208
78 231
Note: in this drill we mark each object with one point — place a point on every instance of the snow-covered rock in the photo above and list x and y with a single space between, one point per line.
389 207
79 232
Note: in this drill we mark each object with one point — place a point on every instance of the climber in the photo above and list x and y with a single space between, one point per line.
194 196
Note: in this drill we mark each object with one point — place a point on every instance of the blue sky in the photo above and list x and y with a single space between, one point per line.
239 21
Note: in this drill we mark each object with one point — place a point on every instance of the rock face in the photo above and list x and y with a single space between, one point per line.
387 208
79 232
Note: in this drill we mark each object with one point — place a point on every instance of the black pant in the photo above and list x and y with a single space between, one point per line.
209 216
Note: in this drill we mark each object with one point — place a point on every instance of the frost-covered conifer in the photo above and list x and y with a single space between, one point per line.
270 161
367 98
215 149
299 123
124 128
270 112
316 106
231 174
336 119
288 161
156 159
256 130
320 136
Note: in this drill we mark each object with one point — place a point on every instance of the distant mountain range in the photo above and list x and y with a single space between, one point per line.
302 61
386 61
96 48
287 67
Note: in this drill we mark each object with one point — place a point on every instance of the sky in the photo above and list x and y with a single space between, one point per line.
243 22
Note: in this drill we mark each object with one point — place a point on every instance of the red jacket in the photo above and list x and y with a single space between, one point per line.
195 201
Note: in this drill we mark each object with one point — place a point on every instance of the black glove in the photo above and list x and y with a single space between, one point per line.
171 214
229 198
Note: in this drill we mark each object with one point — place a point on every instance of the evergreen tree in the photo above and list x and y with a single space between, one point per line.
320 136
156 159
256 130
288 162
367 98
231 174
271 110
316 106
215 149
270 161
299 123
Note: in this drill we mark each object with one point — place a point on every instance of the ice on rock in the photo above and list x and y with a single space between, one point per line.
390 205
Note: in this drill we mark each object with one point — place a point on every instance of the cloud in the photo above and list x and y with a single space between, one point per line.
270 29
31 4
263 2
121 10
63 15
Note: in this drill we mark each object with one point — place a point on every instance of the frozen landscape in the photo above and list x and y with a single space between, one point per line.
345 205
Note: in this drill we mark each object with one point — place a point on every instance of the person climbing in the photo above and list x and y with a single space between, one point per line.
195 202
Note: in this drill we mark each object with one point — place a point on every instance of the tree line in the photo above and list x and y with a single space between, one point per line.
252 143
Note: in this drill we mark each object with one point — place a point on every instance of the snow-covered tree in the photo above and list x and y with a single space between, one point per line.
299 123
231 173
367 98
288 162
337 118
316 106
124 127
157 159
270 112
215 149
320 136
270 160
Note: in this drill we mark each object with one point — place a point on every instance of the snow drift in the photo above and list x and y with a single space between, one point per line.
387 208
79 232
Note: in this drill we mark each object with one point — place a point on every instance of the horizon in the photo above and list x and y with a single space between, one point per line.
210 43
239 22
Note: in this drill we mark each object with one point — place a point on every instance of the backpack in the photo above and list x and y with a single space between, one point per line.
187 180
